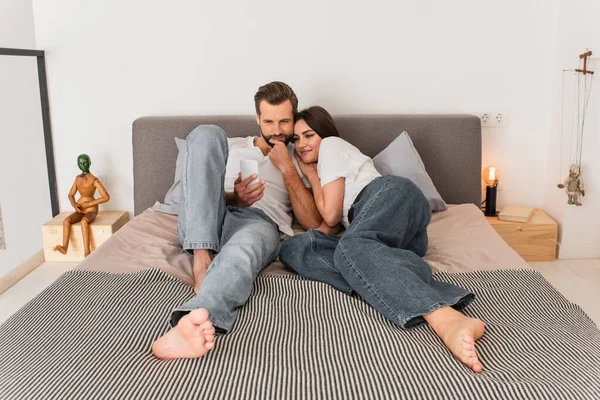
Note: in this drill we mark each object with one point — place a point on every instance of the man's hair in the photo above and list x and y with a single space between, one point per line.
319 121
275 93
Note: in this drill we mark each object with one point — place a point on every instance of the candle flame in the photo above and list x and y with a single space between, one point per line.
492 176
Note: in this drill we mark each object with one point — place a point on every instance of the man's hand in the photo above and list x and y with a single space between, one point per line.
78 208
245 194
583 193
309 169
280 157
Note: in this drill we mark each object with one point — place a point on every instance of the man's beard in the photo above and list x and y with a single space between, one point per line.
268 138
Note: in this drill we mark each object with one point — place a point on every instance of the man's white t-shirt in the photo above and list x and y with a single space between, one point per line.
276 201
339 159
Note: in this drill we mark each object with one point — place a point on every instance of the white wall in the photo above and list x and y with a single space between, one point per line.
110 62
578 29
24 194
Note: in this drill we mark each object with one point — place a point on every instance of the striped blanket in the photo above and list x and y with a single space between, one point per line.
89 335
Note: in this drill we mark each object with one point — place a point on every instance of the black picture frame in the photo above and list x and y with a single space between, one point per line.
43 84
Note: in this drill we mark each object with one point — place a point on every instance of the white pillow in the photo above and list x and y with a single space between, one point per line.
171 203
401 158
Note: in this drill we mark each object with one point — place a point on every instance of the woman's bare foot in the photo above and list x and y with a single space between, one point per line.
202 260
192 337
60 249
459 333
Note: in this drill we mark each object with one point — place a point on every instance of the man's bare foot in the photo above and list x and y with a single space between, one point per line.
202 260
459 333
193 337
60 249
86 253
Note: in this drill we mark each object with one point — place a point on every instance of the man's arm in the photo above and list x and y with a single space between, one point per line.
303 202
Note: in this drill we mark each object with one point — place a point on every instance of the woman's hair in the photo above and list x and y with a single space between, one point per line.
319 121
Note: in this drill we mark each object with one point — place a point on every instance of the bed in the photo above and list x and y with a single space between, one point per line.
89 334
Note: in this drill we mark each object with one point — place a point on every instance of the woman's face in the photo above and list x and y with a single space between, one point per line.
306 142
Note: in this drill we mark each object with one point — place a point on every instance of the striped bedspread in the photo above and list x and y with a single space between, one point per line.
88 336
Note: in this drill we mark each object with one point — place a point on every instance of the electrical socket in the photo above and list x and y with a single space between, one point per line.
495 119
486 119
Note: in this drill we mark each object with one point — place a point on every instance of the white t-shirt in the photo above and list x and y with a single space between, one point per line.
339 159
275 202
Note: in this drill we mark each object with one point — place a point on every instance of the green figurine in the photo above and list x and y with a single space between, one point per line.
86 207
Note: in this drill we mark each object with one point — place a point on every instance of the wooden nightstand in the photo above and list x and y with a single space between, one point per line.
106 223
534 240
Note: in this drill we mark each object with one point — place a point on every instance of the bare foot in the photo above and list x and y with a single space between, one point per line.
60 249
86 253
459 333
193 337
202 260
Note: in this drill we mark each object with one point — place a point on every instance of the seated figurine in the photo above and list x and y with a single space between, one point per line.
86 208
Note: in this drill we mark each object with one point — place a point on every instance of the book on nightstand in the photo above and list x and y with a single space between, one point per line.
516 213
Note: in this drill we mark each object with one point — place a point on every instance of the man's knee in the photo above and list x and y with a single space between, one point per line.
258 238
207 136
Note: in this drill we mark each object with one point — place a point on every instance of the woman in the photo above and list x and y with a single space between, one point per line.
379 254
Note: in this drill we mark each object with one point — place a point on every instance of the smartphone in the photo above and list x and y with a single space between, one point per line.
249 167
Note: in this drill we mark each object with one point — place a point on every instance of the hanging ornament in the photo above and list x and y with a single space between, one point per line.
573 184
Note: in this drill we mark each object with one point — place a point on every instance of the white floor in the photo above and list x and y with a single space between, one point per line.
577 280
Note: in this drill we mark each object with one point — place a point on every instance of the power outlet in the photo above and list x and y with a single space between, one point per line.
486 119
493 119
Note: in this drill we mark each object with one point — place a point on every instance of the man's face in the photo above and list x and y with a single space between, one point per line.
276 122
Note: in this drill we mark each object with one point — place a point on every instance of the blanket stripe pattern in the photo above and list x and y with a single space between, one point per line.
89 335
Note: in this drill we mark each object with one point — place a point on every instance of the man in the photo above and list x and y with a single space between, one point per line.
233 227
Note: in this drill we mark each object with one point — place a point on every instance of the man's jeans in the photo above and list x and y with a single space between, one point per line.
379 255
245 240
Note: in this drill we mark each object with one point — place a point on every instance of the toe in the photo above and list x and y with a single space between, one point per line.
206 325
209 338
199 316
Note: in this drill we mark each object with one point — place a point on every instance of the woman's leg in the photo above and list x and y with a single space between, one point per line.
392 216
380 257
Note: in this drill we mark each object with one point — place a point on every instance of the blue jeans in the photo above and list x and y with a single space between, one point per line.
245 240
379 255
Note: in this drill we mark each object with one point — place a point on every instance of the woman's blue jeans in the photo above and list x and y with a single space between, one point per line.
379 255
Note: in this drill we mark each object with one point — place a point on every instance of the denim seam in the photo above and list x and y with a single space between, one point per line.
314 250
341 247
190 245
436 306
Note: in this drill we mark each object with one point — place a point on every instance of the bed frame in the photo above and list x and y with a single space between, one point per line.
449 145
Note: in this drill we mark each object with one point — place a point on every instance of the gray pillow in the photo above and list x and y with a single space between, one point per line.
171 202
400 158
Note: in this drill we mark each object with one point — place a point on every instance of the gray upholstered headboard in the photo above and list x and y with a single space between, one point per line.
450 146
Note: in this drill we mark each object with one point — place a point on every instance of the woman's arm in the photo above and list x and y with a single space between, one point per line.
329 199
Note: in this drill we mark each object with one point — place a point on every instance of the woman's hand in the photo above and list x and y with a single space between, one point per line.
309 170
